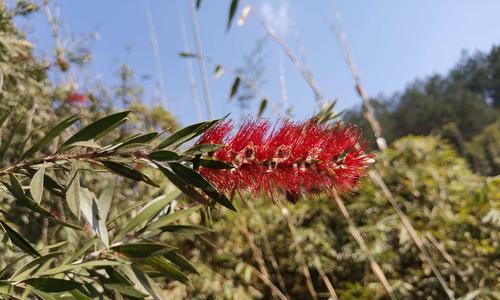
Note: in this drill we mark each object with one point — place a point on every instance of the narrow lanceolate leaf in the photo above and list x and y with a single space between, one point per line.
186 134
218 71
202 149
24 271
94 130
53 285
163 155
143 249
182 185
147 213
192 177
232 11
105 201
92 213
73 195
213 164
181 261
36 185
16 190
142 138
162 265
262 107
53 133
93 264
18 240
234 87
128 172
171 218
125 289
185 229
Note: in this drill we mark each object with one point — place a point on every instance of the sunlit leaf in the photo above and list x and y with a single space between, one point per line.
234 87
181 261
147 213
94 130
53 133
73 194
18 240
128 172
202 149
53 285
143 249
162 265
262 107
172 217
232 11
36 185
185 229
92 213
186 134
163 155
192 177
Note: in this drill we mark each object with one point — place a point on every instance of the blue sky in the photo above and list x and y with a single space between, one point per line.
393 43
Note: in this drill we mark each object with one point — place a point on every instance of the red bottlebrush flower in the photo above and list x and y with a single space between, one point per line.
291 156
76 98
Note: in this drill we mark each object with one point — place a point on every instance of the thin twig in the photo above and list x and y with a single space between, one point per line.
361 242
306 73
257 255
267 244
156 53
201 63
412 232
191 77
300 253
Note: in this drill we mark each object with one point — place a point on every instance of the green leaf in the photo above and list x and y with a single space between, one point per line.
218 71
171 218
128 172
213 164
234 87
97 128
202 149
87 265
185 229
125 289
79 295
16 190
187 54
92 213
53 133
143 249
186 134
36 185
138 139
105 201
181 261
232 11
73 194
142 281
182 185
53 285
24 271
147 213
18 240
163 155
192 177
262 107
162 265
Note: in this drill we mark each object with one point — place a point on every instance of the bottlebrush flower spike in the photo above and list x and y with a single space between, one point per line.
291 156
76 98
